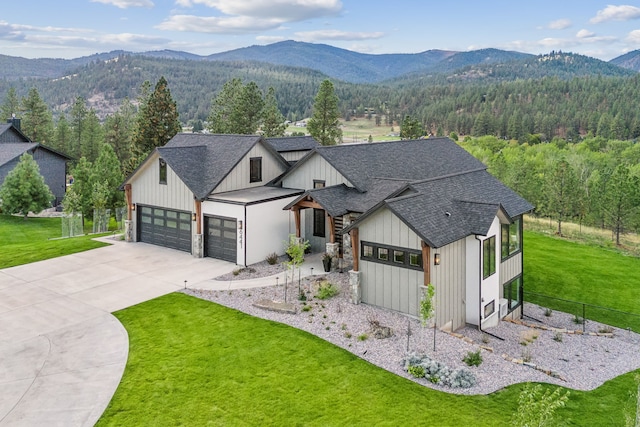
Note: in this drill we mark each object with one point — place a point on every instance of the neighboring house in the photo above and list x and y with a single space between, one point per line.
403 213
207 194
410 213
293 148
52 163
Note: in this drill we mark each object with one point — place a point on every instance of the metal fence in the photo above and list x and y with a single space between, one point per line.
582 312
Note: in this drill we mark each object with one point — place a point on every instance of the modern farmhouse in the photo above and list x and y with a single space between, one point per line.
400 214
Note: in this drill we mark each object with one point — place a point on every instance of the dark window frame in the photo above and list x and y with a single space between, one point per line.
505 239
162 171
319 223
255 169
391 259
489 257
489 306
318 183
507 292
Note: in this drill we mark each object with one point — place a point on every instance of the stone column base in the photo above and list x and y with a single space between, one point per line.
128 230
197 248
355 281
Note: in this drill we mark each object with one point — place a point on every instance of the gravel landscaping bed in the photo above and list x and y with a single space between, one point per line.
581 362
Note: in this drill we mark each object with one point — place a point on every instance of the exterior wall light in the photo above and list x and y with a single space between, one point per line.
239 224
436 259
133 207
193 216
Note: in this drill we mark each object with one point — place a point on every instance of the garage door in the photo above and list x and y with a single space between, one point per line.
220 240
164 227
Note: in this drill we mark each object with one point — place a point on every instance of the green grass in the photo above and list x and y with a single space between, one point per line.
25 241
579 272
193 363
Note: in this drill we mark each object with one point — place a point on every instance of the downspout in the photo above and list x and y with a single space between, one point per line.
244 235
480 292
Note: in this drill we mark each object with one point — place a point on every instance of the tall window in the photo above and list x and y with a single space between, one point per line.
255 169
489 256
512 292
162 169
318 223
511 238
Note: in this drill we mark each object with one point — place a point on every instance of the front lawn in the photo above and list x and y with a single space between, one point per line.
25 241
579 272
192 362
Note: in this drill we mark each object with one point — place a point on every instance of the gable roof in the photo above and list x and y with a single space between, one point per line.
292 143
407 160
449 208
202 161
8 127
11 150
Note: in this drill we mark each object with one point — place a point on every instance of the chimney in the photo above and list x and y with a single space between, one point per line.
14 121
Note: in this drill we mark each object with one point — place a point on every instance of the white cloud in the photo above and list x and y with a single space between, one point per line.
582 34
634 37
270 39
285 10
337 35
125 4
559 24
616 13
212 24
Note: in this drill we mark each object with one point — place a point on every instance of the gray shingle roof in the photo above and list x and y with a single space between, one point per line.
450 208
11 150
408 160
292 143
6 127
202 161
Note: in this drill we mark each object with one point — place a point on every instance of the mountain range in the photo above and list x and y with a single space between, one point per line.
345 65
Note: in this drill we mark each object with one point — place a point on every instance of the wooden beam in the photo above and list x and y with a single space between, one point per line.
198 208
426 263
127 195
355 248
296 218
332 229
308 204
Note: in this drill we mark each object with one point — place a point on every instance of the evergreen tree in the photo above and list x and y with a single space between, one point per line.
93 136
157 121
37 122
324 125
118 130
78 117
411 128
273 120
620 200
227 109
562 189
82 185
62 136
247 114
24 189
10 106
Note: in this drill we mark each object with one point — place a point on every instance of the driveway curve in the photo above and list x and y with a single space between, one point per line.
62 352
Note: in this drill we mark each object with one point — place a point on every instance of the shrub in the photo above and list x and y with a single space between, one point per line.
438 373
526 355
416 371
307 308
327 290
557 336
548 312
606 329
537 407
473 358
578 320
272 258
363 337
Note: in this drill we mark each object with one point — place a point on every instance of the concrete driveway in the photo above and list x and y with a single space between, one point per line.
62 353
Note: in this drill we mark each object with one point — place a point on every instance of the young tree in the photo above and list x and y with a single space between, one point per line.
411 128
106 169
37 122
157 120
324 125
272 118
82 185
24 189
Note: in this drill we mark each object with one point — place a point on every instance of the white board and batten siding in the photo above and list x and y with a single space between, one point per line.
293 156
388 286
147 190
238 178
314 168
450 281
510 268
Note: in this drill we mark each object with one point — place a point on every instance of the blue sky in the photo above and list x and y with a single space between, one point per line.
73 28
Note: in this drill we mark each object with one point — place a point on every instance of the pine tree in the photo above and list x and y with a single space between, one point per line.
411 128
82 185
93 136
118 130
10 106
324 125
24 189
157 121
37 122
273 120
77 117
62 135
224 107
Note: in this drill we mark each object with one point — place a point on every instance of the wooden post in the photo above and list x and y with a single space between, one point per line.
355 248
296 217
332 229
198 209
127 195
426 263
